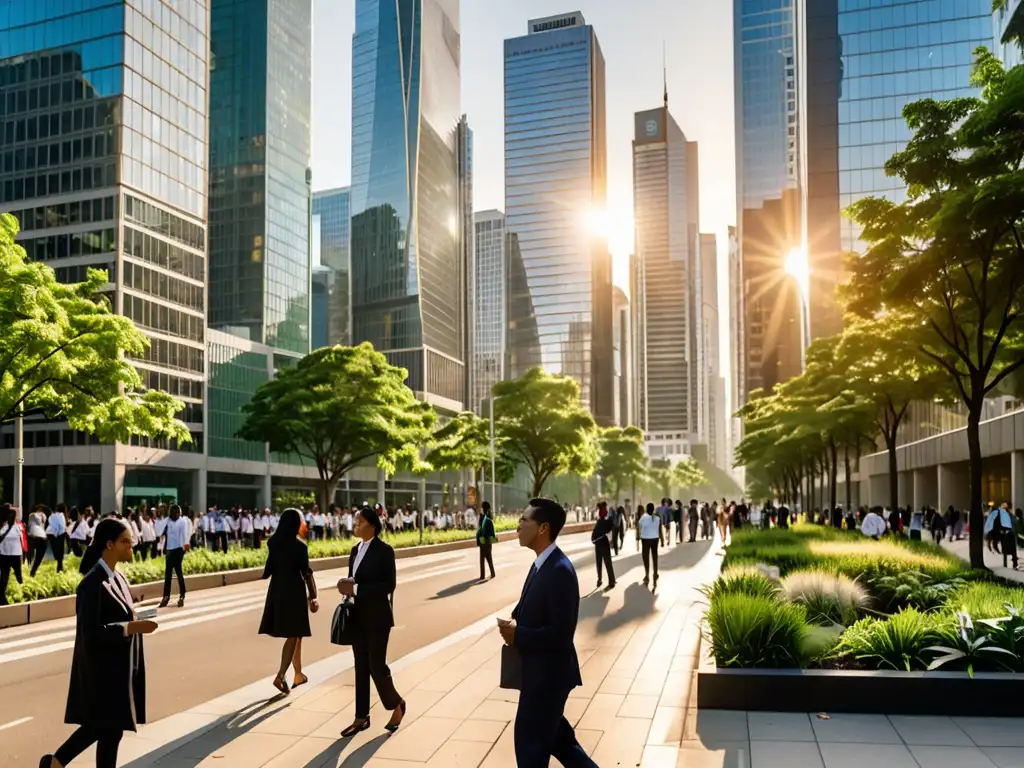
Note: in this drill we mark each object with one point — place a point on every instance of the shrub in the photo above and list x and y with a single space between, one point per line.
969 648
829 598
749 632
897 642
742 580
913 588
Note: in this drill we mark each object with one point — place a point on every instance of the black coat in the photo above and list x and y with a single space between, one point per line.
103 692
376 581
599 536
286 611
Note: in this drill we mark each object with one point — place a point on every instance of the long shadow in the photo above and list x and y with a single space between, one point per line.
455 589
639 602
358 758
224 731
594 604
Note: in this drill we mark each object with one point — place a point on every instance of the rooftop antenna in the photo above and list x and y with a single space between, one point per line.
664 70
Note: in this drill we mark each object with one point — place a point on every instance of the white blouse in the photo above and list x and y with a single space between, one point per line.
10 541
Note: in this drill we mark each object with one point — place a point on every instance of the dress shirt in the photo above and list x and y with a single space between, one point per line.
318 520
80 530
347 521
246 525
160 526
56 525
147 530
10 541
650 526
178 533
543 556
37 525
873 525
259 522
360 554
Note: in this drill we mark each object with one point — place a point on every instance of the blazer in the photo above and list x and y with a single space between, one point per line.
105 692
599 535
546 619
376 581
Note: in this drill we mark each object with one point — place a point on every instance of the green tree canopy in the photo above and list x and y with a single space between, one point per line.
622 457
950 258
337 407
64 354
543 424
464 442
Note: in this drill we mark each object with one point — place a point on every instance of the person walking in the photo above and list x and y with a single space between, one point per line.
78 537
601 538
10 549
291 596
485 538
177 538
651 535
107 693
692 518
542 630
371 584
37 536
618 518
147 533
677 519
57 533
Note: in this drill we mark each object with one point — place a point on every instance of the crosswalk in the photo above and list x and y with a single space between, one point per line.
34 640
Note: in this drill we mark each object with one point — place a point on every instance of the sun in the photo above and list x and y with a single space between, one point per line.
798 267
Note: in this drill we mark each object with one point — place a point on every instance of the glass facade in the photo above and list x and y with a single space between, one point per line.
894 55
1009 22
235 375
408 273
622 346
260 96
333 207
490 315
560 313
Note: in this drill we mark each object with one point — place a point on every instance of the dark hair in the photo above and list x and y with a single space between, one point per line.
650 507
371 516
602 503
288 526
8 514
639 509
550 512
877 509
485 506
107 531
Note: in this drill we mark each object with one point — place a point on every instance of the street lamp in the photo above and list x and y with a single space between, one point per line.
798 267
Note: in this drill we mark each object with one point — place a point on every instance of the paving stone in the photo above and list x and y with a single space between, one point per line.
951 757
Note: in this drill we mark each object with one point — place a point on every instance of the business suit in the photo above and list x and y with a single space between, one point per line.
599 537
484 534
545 625
372 620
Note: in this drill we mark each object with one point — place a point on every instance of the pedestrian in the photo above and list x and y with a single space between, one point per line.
723 524
259 525
874 524
371 584
148 535
318 523
917 523
692 518
10 549
542 631
651 535
485 538
37 536
78 538
619 528
291 596
57 533
177 541
677 519
601 538
107 693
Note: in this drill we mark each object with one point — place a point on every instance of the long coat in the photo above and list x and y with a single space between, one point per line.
106 690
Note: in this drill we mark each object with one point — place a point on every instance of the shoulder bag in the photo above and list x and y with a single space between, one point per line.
342 629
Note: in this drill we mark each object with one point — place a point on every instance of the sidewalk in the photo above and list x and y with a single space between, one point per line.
637 651
993 561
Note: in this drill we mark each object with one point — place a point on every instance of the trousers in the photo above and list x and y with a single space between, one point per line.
371 652
649 551
106 742
8 564
542 732
485 556
37 551
172 564
603 554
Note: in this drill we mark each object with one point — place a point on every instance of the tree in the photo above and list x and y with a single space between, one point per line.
951 256
464 442
688 475
622 458
543 424
337 407
64 354
659 475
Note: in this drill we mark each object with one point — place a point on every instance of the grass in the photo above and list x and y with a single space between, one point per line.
742 580
897 642
750 632
985 600
829 598
48 583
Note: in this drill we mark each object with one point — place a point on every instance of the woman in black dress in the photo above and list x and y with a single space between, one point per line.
286 613
371 583
107 695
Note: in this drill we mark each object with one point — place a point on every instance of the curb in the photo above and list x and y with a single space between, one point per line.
37 611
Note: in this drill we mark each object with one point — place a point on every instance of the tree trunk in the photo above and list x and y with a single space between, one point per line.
894 474
833 467
327 489
977 520
849 476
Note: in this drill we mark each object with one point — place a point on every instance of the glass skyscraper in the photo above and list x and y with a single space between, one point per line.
103 105
491 306
333 207
408 270
260 92
560 300
1009 23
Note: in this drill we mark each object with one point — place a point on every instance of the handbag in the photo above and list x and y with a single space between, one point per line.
342 626
511 669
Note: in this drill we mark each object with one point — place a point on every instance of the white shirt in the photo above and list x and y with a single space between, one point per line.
259 522
178 533
160 526
543 556
80 530
650 526
56 525
10 545
347 520
318 520
246 524
36 522
873 525
470 518
148 531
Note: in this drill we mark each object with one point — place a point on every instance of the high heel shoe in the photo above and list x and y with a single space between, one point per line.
299 680
392 728
281 685
46 761
353 729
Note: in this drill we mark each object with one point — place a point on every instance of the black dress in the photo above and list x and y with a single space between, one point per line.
108 670
286 613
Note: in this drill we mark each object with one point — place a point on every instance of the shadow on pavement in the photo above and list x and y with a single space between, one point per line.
456 589
359 757
639 602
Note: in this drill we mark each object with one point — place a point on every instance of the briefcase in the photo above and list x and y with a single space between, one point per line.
511 668
341 625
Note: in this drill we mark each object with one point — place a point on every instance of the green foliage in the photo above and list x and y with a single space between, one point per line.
969 649
897 643
742 580
751 632
986 600
337 407
464 442
622 457
292 500
542 423
828 598
913 588
64 354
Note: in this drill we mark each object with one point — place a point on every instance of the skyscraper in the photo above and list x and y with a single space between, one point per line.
408 270
1009 22
560 300
490 316
622 341
104 142
667 282
260 94
714 401
332 206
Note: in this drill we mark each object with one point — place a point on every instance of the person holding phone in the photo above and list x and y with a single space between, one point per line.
107 694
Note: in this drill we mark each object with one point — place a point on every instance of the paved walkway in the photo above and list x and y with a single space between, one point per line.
992 560
637 650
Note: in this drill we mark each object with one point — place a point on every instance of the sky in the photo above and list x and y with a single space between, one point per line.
697 38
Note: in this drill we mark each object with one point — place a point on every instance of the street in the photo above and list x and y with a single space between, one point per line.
210 647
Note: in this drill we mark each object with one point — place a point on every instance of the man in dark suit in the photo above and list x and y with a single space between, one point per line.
542 629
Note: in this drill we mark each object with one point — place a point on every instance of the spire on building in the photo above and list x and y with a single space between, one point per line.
664 70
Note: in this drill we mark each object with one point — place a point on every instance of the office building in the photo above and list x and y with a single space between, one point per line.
1009 29
667 284
560 291
467 256
490 315
319 302
711 372
638 351
104 149
332 208
622 341
408 273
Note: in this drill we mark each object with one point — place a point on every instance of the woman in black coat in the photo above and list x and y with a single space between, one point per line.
371 584
107 695
286 612
600 537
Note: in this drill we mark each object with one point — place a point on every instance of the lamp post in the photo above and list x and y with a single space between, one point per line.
494 500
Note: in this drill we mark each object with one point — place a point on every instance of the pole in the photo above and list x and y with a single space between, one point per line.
494 500
19 444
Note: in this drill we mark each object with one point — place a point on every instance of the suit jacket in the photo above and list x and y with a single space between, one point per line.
545 625
105 692
376 579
